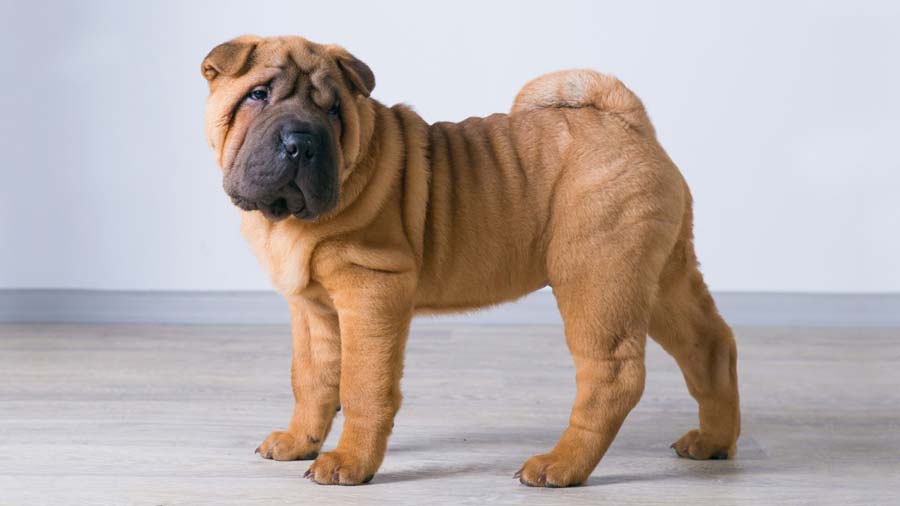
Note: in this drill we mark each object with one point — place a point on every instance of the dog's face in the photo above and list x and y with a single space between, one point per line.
284 119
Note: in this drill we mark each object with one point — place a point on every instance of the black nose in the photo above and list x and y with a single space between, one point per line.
299 145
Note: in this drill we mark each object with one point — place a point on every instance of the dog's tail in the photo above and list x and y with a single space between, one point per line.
584 88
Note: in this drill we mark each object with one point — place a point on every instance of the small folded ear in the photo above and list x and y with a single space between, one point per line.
227 59
357 73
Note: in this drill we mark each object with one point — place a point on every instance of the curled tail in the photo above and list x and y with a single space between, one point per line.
584 88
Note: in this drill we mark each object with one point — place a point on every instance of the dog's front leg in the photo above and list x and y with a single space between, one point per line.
315 376
374 311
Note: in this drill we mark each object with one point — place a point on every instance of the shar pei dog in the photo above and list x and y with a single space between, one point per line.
364 215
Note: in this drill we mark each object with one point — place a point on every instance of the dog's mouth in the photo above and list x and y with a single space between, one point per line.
289 201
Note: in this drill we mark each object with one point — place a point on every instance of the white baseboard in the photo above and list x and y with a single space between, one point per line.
539 308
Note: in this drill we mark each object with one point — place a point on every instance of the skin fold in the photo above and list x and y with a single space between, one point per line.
393 217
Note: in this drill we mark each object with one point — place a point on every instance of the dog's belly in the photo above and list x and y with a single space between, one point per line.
492 280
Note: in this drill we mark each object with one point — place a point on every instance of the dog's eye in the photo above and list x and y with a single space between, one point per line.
335 108
260 93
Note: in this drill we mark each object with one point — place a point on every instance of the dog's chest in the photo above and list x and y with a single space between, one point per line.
282 249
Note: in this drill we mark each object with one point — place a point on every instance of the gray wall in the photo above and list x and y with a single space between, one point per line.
784 116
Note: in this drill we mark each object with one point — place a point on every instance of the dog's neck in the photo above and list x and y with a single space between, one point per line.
385 153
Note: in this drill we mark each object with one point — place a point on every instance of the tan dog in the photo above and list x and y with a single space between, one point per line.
364 215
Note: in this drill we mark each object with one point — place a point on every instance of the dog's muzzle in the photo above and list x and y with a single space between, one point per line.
288 169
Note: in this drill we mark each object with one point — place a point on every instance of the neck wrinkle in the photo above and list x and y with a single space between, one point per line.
374 176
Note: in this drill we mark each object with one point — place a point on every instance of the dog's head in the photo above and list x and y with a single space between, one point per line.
285 120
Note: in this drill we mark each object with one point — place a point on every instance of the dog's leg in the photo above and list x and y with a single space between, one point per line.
604 262
605 326
685 322
315 377
374 313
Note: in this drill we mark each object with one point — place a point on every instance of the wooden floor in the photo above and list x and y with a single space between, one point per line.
165 415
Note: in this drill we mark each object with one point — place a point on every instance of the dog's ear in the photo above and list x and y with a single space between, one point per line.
358 75
227 59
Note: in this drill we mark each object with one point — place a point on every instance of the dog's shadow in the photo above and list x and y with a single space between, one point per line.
716 470
691 470
711 470
433 472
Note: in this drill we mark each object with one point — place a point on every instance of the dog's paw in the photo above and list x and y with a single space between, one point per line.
340 468
552 471
285 446
694 445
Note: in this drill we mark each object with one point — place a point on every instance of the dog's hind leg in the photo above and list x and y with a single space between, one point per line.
686 323
604 268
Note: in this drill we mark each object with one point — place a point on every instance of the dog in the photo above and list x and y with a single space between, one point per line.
364 215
